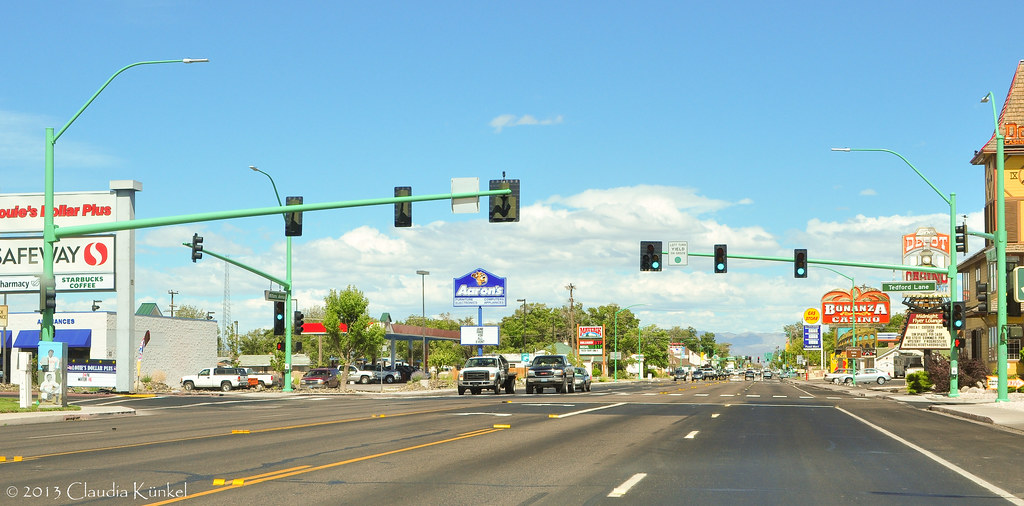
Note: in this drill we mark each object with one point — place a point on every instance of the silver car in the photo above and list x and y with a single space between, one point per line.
582 379
863 376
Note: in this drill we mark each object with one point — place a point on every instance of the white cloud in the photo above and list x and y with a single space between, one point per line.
868 192
511 120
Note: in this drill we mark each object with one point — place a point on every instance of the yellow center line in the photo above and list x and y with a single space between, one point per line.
208 436
307 469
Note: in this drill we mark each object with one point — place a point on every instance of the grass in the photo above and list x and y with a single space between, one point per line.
14 406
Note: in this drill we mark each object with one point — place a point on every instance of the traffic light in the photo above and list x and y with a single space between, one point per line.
961 238
721 259
504 208
981 289
197 247
650 255
280 346
957 316
293 220
959 342
800 263
945 315
297 323
278 318
403 210
48 298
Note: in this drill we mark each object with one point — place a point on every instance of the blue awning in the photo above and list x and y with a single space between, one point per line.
5 339
76 338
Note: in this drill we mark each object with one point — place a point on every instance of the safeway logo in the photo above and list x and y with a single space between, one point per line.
95 253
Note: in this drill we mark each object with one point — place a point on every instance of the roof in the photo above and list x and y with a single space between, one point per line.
1011 117
148 309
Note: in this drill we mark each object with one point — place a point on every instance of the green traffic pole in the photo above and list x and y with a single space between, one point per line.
1000 233
50 236
951 268
289 319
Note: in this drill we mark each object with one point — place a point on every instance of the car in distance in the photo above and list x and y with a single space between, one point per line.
749 375
548 371
766 374
697 374
224 378
679 374
583 380
320 377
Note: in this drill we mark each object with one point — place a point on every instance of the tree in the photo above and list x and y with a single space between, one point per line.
190 311
363 338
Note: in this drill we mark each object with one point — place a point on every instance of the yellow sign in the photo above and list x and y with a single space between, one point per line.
3 318
811 316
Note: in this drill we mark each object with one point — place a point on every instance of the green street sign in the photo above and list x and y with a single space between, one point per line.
274 295
909 286
1017 285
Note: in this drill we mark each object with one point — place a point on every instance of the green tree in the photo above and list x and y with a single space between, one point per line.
363 338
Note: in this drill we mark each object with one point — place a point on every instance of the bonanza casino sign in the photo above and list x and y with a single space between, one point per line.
872 306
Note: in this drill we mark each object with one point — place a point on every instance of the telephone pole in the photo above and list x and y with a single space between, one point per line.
572 320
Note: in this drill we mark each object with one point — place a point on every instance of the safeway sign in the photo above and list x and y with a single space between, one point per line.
79 263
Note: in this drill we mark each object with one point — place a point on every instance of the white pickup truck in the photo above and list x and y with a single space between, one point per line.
224 378
263 380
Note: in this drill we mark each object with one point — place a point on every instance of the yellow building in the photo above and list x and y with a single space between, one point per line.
979 269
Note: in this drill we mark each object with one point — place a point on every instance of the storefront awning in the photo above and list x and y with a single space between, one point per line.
5 339
76 338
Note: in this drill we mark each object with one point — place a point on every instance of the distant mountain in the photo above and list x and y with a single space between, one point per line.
755 344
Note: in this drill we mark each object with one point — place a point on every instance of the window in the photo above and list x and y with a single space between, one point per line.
1013 349
993 343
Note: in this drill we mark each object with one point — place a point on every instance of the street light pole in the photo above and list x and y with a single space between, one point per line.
46 330
954 389
289 315
423 321
1001 277
616 320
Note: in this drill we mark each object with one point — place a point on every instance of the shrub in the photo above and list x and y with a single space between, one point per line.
938 373
918 382
596 372
418 375
972 372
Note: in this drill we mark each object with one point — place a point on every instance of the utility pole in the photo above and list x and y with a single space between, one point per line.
572 320
173 293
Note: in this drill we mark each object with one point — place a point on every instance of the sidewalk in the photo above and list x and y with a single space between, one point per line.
977 406
86 413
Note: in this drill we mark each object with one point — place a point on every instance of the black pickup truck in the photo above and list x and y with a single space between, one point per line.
550 371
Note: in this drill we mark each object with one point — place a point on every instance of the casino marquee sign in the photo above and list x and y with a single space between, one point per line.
872 306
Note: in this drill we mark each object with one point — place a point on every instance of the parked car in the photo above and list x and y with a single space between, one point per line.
837 376
321 377
224 378
356 375
863 376
582 379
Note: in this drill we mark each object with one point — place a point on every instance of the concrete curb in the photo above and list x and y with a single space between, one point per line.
86 413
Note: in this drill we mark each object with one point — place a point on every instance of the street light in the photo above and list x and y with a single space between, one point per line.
954 390
616 374
1000 240
853 314
46 330
288 293
423 321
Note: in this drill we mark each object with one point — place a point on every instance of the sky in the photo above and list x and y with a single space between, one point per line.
673 121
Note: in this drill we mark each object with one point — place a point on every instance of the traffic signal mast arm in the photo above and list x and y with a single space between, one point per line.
97 228
253 270
914 268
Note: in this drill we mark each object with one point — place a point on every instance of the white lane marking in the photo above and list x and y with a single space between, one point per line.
701 395
725 395
621 490
675 395
806 396
65 434
589 410
715 415
692 434
650 394
548 404
485 414
753 395
948 465
833 398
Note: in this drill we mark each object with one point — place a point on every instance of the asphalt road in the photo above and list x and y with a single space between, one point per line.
734 442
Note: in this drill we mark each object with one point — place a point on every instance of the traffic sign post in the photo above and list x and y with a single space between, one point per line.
677 253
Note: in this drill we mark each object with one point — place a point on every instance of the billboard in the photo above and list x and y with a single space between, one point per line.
591 340
479 288
872 306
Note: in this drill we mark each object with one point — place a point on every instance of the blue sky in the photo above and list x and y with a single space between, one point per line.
624 121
